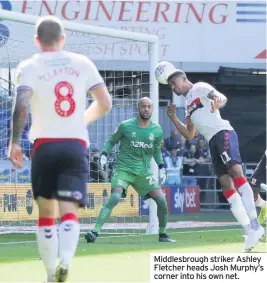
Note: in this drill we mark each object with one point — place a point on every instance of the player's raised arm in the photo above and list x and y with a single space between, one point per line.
188 129
102 103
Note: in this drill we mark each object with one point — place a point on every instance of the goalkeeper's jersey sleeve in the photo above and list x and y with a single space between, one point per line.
137 146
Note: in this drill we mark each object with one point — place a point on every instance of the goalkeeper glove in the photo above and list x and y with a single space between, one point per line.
162 174
103 160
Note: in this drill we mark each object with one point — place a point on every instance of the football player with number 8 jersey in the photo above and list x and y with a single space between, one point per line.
54 84
203 104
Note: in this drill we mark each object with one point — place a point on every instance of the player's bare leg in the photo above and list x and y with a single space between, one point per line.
69 232
246 193
104 214
162 212
47 238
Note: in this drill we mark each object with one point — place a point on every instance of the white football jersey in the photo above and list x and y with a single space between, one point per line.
199 111
60 82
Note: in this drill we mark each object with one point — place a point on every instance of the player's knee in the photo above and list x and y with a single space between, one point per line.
161 203
236 171
113 200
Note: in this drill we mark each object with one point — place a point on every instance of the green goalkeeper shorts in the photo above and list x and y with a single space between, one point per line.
142 184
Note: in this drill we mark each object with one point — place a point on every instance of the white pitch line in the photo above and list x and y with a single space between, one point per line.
139 235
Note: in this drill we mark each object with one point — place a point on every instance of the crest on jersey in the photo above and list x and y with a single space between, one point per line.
134 134
151 136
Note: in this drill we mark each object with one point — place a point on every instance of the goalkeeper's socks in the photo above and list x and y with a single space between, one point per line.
259 202
48 244
237 207
162 213
106 211
69 233
247 196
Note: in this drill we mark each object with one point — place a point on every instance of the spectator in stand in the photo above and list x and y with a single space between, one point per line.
182 147
190 165
172 141
204 166
164 151
203 150
97 174
194 140
173 166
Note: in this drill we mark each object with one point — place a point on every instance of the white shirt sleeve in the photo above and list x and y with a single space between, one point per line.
94 79
25 76
205 90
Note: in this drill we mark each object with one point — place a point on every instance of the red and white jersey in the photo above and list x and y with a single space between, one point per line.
199 111
60 82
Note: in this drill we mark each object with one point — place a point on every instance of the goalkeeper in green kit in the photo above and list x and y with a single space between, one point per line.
140 140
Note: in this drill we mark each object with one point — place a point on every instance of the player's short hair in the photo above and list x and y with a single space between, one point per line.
177 73
49 30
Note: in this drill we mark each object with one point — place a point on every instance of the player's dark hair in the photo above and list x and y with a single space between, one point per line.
178 73
49 30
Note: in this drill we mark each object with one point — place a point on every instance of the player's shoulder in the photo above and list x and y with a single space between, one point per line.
202 86
200 89
26 64
155 125
79 58
128 122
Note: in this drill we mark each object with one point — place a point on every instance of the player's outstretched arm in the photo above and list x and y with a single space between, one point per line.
188 129
101 105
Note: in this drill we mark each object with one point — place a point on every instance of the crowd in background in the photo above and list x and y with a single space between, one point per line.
187 162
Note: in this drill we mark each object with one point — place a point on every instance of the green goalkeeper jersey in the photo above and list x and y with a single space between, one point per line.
137 146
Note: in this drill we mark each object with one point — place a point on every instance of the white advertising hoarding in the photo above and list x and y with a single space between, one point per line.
225 32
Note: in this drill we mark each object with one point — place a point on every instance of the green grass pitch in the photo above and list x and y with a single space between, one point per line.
119 259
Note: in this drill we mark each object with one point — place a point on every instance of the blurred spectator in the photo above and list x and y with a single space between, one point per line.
194 140
190 164
172 141
203 150
182 147
97 174
173 166
204 166
164 151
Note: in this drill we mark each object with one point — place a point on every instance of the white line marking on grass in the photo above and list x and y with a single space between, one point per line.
136 235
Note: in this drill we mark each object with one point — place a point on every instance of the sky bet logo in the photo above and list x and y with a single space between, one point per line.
4 31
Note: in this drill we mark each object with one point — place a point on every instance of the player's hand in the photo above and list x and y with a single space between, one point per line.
215 104
171 110
162 175
15 155
103 160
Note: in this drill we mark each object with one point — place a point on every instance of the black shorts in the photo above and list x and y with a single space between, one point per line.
60 170
224 149
259 175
